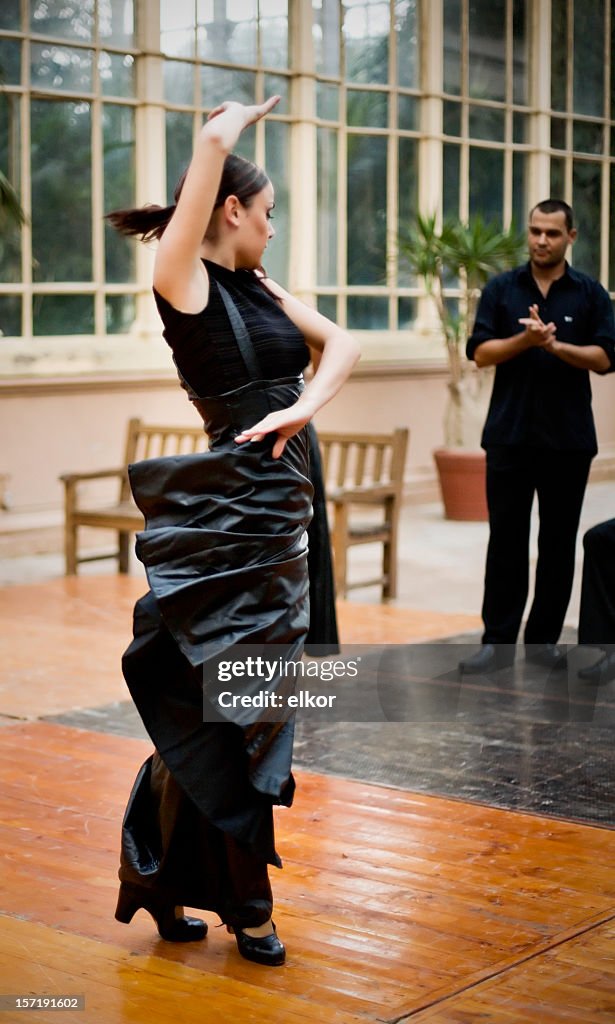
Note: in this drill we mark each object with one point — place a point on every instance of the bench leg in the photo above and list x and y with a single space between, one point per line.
70 549
389 555
123 551
340 549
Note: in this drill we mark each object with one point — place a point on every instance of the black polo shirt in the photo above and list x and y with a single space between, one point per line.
538 400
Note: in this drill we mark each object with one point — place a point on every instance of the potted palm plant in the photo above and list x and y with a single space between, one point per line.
463 256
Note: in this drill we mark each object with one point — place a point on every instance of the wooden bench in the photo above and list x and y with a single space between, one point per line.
142 442
364 473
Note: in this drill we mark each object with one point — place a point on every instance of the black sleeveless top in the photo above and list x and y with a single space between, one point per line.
203 344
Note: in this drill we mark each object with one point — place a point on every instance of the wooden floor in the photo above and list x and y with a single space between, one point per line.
394 906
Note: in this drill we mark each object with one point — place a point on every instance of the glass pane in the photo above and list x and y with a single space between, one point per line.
10 316
407 197
589 59
326 36
279 85
10 62
487 49
116 22
558 133
406 313
611 232
587 138
179 147
63 314
559 53
407 34
366 36
367 312
10 252
58 67
227 31
217 84
327 305
273 24
179 82
520 128
61 191
367 227
487 123
486 183
177 28
452 47
520 59
117 74
10 232
558 178
451 113
450 172
119 313
67 19
246 147
519 190
586 206
407 113
10 17
612 75
407 182
119 179
327 104
326 178
367 109
277 163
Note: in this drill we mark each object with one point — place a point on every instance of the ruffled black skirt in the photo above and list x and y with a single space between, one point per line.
225 551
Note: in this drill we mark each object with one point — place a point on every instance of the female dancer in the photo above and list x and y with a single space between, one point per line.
224 549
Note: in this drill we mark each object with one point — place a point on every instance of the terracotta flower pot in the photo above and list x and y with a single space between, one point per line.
462 483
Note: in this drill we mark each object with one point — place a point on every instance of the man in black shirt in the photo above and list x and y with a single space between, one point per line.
539 435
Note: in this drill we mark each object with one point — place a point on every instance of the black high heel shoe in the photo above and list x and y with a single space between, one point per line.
267 950
171 928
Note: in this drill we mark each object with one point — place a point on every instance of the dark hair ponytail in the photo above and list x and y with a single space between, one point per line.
239 178
144 222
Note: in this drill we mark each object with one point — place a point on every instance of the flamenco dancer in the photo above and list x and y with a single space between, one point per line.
224 547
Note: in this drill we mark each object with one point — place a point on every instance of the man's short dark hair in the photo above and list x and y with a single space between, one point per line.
556 206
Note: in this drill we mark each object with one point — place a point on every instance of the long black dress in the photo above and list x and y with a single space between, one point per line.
225 551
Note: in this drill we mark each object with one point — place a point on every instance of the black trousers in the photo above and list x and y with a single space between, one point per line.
514 475
597 611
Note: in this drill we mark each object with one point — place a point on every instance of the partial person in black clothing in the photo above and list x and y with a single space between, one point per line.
539 434
225 551
597 611
323 637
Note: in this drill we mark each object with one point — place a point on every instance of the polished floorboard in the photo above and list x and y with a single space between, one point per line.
395 904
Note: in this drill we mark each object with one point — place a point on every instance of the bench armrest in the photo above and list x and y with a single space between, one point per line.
100 474
361 495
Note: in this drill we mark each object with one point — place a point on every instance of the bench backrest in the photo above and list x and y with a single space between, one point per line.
360 460
150 441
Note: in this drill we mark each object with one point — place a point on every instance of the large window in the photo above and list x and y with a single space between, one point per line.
486 108
367 168
388 107
237 49
67 142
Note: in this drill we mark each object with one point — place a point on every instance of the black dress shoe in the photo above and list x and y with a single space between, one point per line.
489 658
602 671
171 928
267 950
546 655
